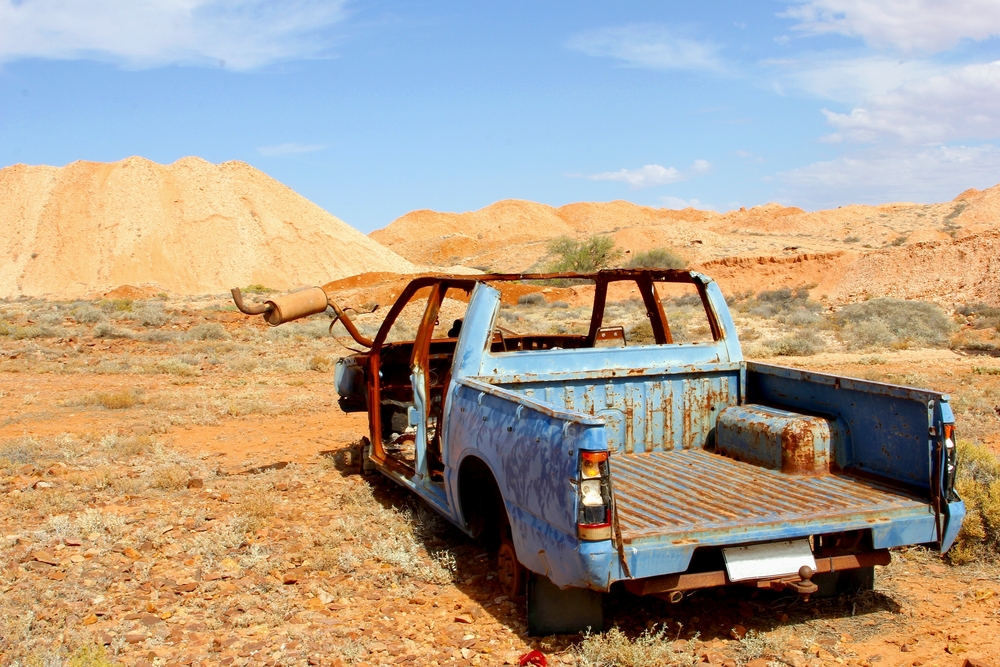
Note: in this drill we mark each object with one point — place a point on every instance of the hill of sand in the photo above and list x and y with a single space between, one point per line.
948 252
191 227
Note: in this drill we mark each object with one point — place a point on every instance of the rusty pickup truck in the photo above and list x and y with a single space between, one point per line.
592 452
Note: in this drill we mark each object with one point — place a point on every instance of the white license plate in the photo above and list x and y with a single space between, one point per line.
764 561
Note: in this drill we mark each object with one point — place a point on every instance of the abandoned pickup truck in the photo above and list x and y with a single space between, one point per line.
654 458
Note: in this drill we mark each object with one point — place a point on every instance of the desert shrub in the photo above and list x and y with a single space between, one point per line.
852 239
108 330
899 240
87 314
978 484
18 332
257 289
893 323
657 258
983 316
559 304
614 648
207 331
799 344
781 303
532 299
149 315
115 305
595 253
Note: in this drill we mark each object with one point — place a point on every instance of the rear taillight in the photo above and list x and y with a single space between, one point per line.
594 520
950 462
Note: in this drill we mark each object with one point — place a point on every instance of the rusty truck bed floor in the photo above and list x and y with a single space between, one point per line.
691 492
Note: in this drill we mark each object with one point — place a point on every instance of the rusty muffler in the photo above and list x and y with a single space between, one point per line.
281 309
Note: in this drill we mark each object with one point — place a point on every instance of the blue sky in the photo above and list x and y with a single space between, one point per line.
373 109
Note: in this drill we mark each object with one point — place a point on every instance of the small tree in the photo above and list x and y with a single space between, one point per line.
597 252
657 258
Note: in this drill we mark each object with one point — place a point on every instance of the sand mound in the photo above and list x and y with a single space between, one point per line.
188 228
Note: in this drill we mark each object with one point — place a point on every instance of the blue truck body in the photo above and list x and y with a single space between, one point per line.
704 450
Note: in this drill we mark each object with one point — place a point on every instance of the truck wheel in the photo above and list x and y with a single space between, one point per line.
510 571
846 582
553 611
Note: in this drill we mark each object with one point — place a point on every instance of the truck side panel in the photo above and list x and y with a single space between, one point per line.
884 430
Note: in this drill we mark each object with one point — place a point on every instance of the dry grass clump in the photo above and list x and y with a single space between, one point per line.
978 484
532 299
207 331
248 402
320 363
109 330
653 648
169 478
128 446
149 314
395 536
87 314
255 508
116 400
20 451
798 344
893 323
90 655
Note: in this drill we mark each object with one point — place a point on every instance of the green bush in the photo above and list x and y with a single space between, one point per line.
893 323
570 255
978 484
657 258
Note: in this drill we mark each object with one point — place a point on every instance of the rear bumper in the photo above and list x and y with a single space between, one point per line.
691 581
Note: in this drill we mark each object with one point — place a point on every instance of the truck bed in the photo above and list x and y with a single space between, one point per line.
693 494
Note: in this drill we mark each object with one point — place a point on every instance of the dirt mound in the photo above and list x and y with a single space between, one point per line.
843 253
191 227
965 270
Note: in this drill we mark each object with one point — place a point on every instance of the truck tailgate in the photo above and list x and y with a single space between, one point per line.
693 494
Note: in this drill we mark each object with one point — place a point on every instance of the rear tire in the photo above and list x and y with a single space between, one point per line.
845 582
510 572
554 611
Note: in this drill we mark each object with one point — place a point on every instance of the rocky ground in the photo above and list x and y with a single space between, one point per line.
174 496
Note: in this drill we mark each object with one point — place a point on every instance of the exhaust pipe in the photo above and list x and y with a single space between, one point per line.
303 303
281 309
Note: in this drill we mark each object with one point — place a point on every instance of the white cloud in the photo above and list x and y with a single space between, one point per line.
239 34
650 175
928 174
848 79
650 46
961 104
289 149
910 25
701 166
